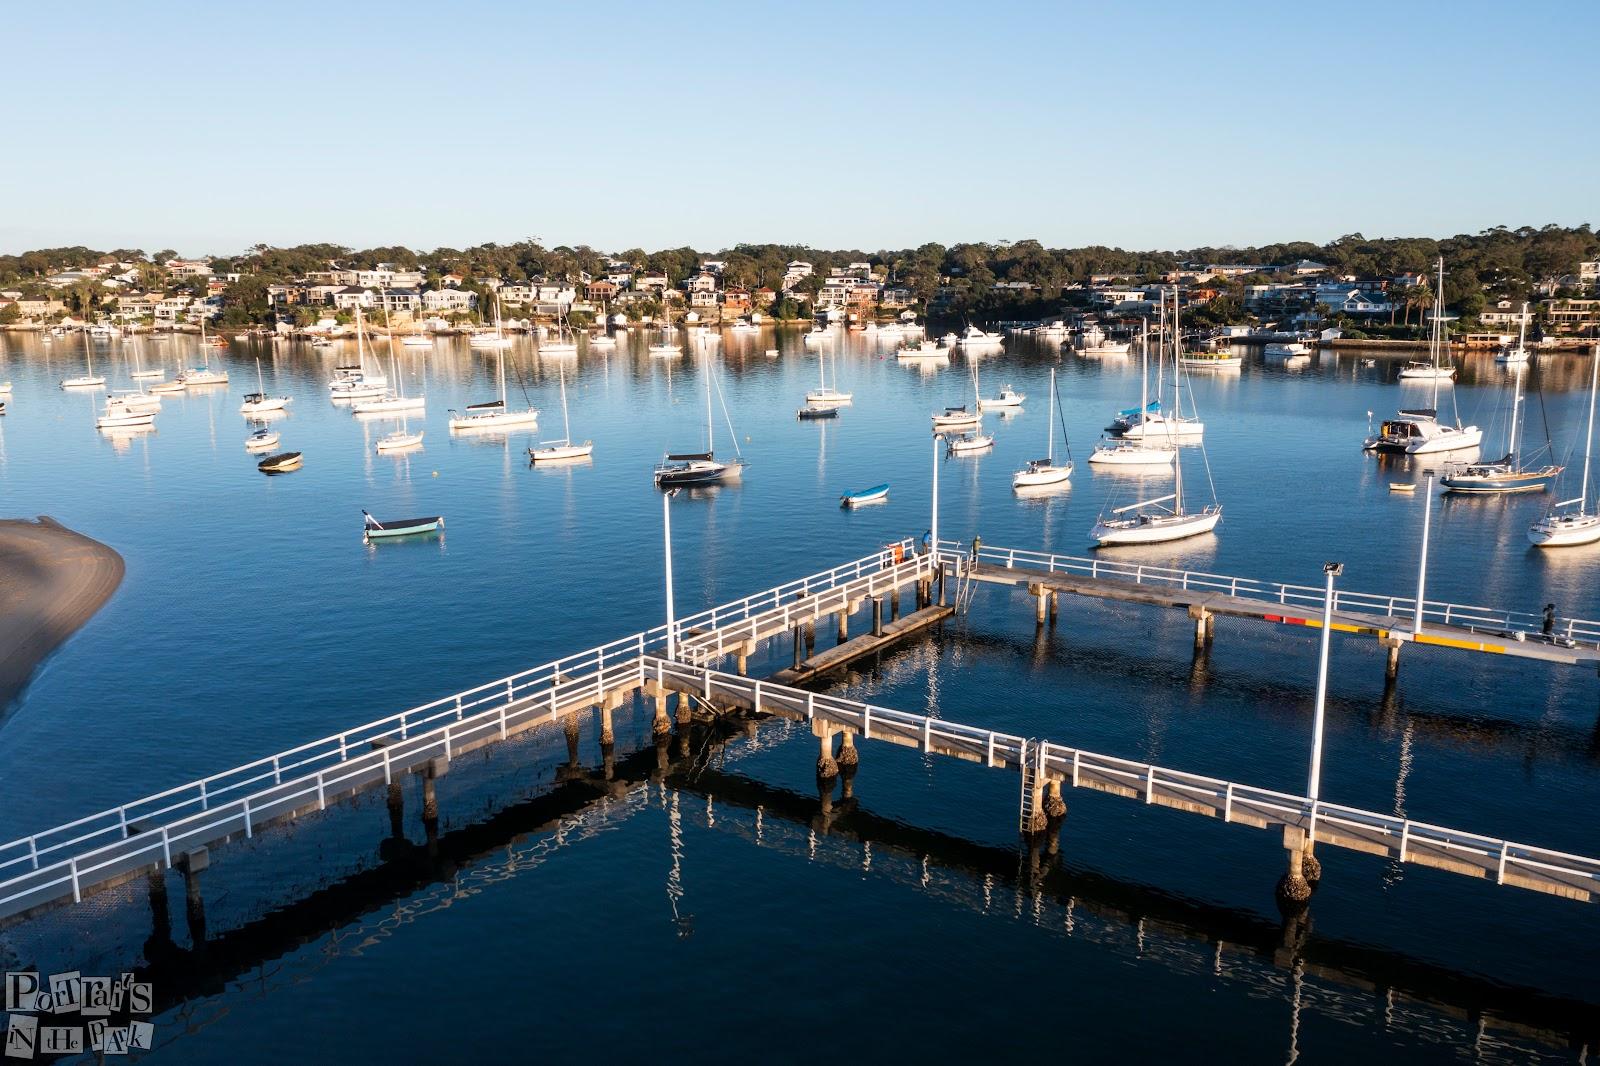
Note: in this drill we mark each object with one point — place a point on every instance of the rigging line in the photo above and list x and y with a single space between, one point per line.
723 403
1062 417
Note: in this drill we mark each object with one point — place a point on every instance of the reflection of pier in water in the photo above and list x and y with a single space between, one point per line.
687 779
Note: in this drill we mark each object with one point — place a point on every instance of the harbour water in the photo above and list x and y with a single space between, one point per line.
252 617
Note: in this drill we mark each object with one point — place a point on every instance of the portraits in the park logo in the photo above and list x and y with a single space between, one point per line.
69 1014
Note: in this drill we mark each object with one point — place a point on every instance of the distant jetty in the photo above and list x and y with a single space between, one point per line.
52 581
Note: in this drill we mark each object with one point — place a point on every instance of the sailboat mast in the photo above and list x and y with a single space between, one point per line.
710 447
1516 399
1177 407
566 426
1433 339
1144 368
1050 423
1588 439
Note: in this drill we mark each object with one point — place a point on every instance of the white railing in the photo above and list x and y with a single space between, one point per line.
1489 619
711 634
1331 823
153 825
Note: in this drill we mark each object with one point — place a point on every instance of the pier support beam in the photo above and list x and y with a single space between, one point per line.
1391 669
1040 605
1055 808
810 629
1054 605
877 616
192 862
1204 625
844 625
661 724
848 757
397 810
1294 889
827 767
607 736
894 603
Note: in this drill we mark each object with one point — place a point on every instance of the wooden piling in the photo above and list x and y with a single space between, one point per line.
844 624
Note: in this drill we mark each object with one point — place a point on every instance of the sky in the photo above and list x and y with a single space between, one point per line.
210 127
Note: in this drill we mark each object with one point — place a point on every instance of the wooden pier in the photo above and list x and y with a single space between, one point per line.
1391 620
177 828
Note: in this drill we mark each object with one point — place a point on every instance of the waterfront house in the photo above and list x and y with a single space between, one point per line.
1351 300
188 268
449 301
736 301
169 309
1117 296
894 296
763 298
601 290
352 296
703 298
517 293
651 279
1505 313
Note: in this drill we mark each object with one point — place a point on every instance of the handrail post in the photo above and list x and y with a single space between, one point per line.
33 849
388 772
77 893
1227 803
205 803
248 833
1500 871
1075 754
322 796
122 814
277 771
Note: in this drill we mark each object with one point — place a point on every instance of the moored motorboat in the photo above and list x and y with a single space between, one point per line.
281 463
876 494
1008 397
813 414
261 440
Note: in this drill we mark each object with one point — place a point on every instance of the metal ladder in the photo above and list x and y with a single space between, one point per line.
965 586
1030 784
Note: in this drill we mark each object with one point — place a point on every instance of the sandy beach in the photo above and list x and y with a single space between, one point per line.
52 580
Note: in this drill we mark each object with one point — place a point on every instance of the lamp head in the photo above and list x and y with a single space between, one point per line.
1333 568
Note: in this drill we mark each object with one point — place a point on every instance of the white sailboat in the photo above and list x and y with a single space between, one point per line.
400 439
1573 522
961 417
1147 521
495 338
550 450
89 380
259 402
1508 474
1148 423
1418 431
203 374
665 345
395 400
494 414
564 343
1046 471
1518 355
700 468
823 395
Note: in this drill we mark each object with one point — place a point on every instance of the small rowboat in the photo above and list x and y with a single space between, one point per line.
372 529
281 463
1402 486
876 494
811 414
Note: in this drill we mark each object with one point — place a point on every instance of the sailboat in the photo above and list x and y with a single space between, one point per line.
823 394
494 414
90 380
1561 528
400 439
1137 452
121 415
700 468
259 402
550 450
565 342
665 346
1046 471
1148 422
1518 355
1147 522
139 372
203 374
416 338
1507 474
495 338
1418 431
393 400
357 382
959 417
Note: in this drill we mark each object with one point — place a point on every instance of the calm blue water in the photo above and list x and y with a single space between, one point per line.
253 618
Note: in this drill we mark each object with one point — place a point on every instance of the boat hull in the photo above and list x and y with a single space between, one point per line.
1133 456
1473 483
1034 478
1155 529
558 452
279 464
499 420
1565 531
698 473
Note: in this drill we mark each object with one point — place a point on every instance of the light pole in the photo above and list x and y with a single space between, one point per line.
933 524
666 538
1422 566
1314 785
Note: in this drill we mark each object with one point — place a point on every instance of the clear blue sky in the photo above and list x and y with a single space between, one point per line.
206 127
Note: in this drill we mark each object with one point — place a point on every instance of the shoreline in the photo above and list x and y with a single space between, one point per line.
52 581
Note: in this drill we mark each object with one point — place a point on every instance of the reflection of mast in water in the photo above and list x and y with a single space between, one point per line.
1396 869
822 451
683 922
